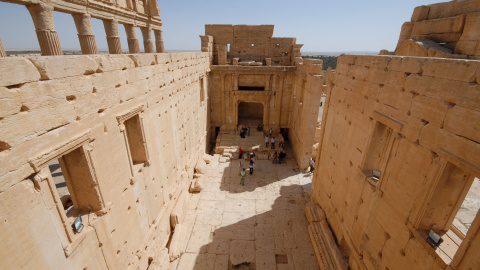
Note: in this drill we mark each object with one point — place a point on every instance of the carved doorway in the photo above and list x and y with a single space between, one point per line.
250 114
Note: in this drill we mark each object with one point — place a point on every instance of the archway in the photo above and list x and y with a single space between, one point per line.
250 113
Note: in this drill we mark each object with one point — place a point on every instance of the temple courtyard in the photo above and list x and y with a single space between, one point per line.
260 225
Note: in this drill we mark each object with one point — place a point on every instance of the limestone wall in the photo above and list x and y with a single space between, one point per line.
226 81
53 106
447 30
251 42
305 103
414 120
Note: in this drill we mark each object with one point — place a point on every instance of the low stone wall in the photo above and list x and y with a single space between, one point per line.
51 106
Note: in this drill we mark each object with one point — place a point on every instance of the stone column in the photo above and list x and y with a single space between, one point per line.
2 50
133 46
42 16
85 33
147 39
113 40
159 41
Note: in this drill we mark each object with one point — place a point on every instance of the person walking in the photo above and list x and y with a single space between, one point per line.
312 165
281 156
273 142
243 173
275 158
251 165
248 131
267 139
270 132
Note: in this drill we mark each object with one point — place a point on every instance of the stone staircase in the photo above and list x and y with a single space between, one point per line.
228 142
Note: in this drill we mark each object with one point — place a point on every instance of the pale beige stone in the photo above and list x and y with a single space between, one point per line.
16 71
60 67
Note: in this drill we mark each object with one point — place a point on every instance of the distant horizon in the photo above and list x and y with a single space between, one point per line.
322 26
106 50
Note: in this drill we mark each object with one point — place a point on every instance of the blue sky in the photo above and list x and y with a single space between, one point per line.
322 26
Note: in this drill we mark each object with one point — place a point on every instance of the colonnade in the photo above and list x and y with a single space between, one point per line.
42 16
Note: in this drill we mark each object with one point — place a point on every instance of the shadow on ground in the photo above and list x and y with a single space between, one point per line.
261 225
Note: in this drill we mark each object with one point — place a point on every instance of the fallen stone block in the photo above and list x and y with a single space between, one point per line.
314 212
197 185
177 243
326 251
179 210
201 166
160 261
207 158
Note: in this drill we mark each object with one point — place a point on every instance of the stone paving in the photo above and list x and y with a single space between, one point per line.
261 225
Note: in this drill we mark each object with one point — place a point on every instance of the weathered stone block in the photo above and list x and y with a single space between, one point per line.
140 60
438 26
16 70
463 122
54 67
10 102
420 13
431 110
460 70
113 62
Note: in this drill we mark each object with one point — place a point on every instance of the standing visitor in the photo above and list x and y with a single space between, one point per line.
273 142
242 179
281 156
275 158
267 139
270 132
312 165
239 167
252 164
240 152
248 131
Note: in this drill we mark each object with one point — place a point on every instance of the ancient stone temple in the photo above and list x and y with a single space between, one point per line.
132 161
257 79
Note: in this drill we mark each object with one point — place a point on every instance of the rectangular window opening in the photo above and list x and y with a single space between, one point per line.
136 142
251 88
75 184
202 89
451 211
377 152
228 47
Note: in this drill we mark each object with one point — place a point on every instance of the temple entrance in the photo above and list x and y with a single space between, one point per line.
250 114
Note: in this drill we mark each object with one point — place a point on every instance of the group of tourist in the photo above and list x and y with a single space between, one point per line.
279 158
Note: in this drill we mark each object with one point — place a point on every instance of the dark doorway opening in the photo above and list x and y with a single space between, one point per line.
250 114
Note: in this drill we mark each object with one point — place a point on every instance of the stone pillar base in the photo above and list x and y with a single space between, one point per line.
49 42
88 45
133 45
114 45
